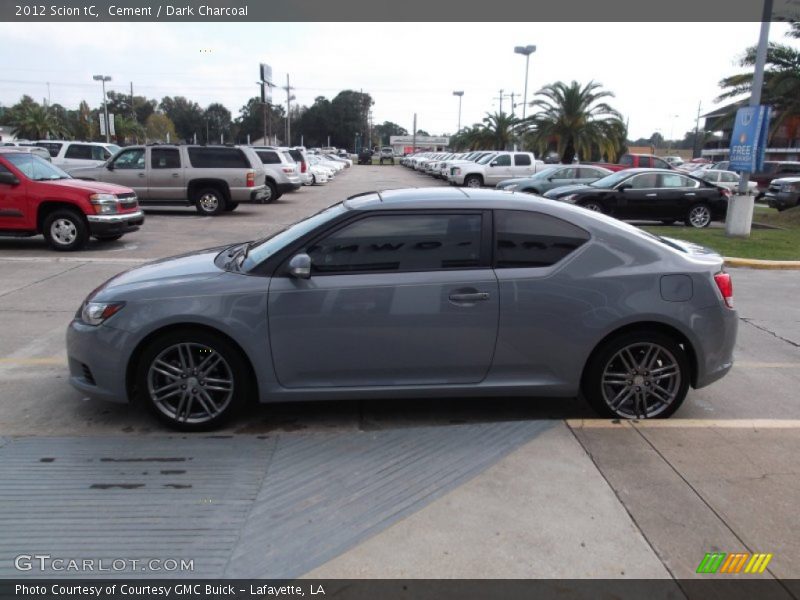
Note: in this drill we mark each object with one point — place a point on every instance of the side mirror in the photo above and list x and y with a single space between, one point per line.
493 163
300 266
624 186
110 166
9 178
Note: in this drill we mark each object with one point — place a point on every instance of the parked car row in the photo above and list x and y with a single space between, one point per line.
104 201
475 169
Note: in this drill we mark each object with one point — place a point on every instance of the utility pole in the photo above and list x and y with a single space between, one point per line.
288 89
525 51
414 136
696 145
512 104
501 101
133 111
460 95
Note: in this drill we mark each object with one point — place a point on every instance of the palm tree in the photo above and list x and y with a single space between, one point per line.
781 88
36 122
128 128
496 132
575 119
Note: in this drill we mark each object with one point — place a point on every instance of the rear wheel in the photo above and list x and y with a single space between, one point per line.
473 181
637 375
273 193
192 380
698 216
209 201
65 230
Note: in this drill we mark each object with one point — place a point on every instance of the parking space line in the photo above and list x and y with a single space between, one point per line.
75 259
48 360
684 423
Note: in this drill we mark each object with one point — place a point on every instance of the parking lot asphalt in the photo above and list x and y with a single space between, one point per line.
568 496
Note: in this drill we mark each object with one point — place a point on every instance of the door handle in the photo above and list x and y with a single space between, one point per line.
176 175
651 195
472 297
690 194
141 175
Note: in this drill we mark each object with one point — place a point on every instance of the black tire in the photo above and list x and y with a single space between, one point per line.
593 205
473 181
65 230
313 179
668 221
273 193
698 216
209 201
231 206
108 238
606 357
201 343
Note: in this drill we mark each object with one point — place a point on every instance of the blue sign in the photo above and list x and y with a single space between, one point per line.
749 139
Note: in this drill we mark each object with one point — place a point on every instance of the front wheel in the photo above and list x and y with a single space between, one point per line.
637 375
593 206
191 380
473 181
210 202
699 216
65 230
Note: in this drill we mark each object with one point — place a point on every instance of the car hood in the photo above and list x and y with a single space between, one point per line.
96 187
565 190
166 271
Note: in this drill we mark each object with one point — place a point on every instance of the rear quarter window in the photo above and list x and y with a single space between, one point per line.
526 239
218 158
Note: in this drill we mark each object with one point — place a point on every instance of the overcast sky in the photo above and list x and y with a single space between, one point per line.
659 72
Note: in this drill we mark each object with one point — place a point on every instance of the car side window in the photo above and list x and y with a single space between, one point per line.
504 160
165 158
130 159
522 160
644 161
100 153
674 181
268 157
529 239
661 164
565 173
626 160
644 181
81 151
51 147
408 243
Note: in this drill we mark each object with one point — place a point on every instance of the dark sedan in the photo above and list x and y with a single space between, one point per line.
650 195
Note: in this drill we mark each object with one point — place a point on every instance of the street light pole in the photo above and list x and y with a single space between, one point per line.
460 95
526 51
103 79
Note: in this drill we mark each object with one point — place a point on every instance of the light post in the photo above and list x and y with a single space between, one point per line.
103 79
526 51
460 94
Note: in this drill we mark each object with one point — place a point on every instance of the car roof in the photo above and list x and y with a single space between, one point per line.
440 197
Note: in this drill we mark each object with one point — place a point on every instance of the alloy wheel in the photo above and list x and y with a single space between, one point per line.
641 380
209 202
699 216
190 383
63 231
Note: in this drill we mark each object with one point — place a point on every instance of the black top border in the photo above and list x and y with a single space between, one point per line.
399 11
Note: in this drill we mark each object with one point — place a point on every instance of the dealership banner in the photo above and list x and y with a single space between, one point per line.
749 139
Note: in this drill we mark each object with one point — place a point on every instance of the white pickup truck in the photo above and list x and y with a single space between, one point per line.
494 168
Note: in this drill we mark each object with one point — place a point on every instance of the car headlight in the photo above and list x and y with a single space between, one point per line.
512 187
790 187
95 313
569 198
104 204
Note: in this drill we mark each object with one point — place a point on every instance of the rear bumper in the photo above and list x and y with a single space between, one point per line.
715 329
115 224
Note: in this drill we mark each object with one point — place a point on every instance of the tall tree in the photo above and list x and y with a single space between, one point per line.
251 121
218 120
159 128
120 104
36 122
386 130
574 119
186 115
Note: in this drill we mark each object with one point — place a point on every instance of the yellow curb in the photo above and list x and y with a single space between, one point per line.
754 263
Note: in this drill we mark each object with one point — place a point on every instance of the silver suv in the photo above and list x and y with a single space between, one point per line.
215 179
283 172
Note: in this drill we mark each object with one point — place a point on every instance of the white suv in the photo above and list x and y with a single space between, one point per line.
493 169
71 155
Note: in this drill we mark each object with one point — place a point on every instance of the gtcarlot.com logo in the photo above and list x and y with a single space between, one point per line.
736 562
46 562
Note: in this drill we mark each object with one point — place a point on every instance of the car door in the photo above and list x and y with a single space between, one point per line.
128 168
393 299
498 169
560 177
638 198
13 201
676 194
523 165
165 177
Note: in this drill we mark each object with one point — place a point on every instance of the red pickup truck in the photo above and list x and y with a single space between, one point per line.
632 161
36 197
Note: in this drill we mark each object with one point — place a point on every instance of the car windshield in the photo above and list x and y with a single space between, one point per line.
544 172
610 181
34 167
113 148
486 159
263 249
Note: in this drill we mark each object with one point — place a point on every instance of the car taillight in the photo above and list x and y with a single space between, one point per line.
725 285
251 179
726 192
303 167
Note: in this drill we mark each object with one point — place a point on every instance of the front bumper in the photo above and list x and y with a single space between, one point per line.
97 363
115 224
782 200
